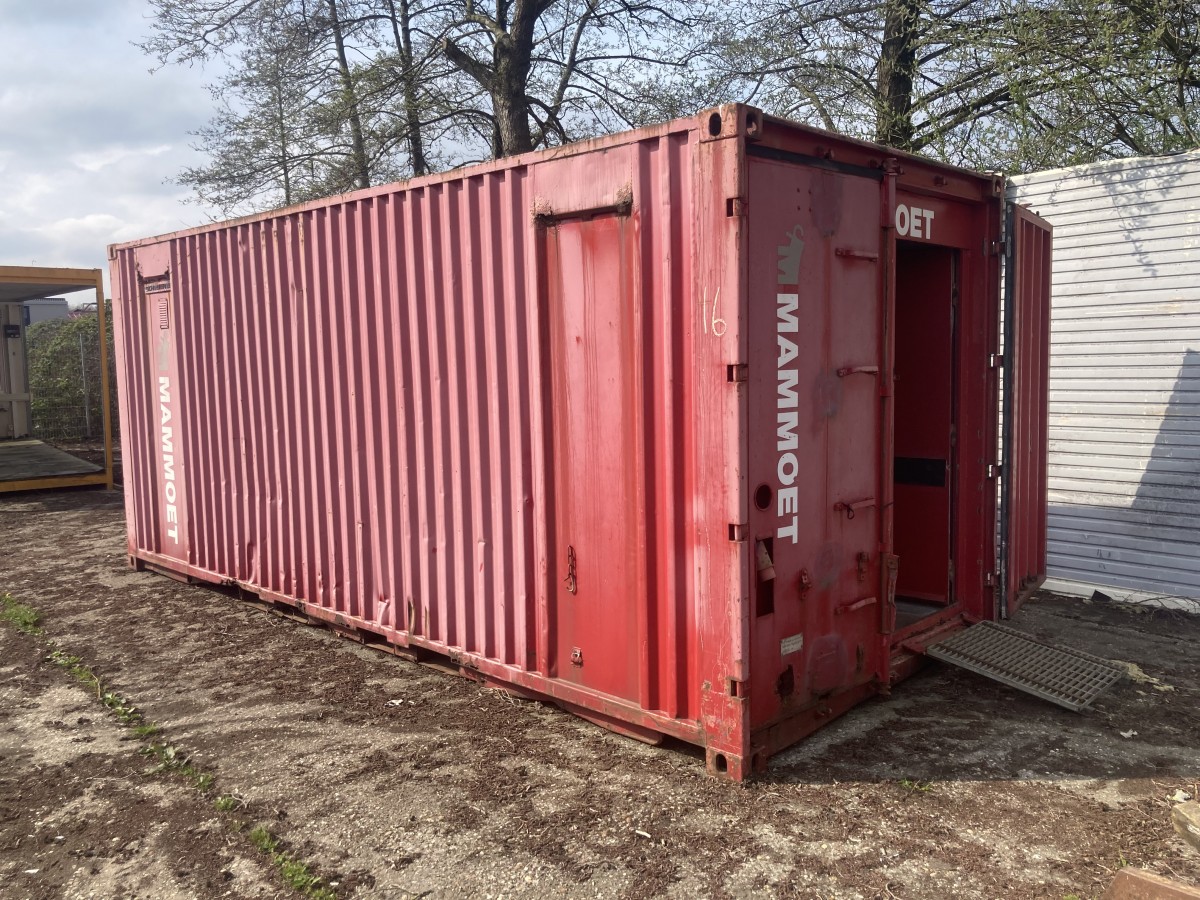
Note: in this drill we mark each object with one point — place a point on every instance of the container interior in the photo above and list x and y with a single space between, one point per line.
925 421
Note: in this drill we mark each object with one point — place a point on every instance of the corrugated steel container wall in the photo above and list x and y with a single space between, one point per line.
1124 372
355 419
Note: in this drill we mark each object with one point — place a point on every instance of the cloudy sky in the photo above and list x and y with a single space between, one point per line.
89 138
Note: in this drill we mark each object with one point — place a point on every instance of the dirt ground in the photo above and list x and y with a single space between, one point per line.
396 781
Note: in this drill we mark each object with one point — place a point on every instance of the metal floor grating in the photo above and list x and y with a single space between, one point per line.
1067 677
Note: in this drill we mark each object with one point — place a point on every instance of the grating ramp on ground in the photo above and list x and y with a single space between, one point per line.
1063 676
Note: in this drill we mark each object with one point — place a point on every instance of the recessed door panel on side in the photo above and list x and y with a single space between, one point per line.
595 352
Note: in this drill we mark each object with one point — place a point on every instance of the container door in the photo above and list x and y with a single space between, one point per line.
1024 434
815 437
165 401
597 528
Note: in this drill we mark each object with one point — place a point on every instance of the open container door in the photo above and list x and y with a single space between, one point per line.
1024 434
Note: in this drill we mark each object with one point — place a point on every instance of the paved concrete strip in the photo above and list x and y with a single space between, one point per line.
1186 819
1138 884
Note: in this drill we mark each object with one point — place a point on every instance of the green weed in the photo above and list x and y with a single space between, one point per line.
125 711
263 839
76 669
923 787
226 803
173 762
127 714
20 616
294 872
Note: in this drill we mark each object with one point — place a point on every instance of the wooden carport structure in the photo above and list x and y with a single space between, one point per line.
27 463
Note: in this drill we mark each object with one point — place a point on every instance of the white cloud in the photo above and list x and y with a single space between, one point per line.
90 140
97 160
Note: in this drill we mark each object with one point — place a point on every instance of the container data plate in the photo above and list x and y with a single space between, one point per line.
1063 676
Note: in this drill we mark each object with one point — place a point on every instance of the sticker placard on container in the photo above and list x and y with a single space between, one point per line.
790 645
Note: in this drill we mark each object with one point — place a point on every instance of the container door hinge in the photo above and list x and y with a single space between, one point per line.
998 248
993 470
736 372
996 360
989 579
735 207
737 531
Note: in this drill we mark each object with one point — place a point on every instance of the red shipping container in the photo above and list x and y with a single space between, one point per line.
691 430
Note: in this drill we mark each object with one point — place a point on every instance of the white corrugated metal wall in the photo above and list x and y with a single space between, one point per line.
1124 480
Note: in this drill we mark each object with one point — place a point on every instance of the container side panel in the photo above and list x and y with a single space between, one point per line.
386 541
526 514
369 420
495 575
479 578
665 178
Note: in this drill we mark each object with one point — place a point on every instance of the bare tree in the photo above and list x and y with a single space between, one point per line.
312 73
557 70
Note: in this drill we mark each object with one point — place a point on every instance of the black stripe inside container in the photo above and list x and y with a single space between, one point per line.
919 470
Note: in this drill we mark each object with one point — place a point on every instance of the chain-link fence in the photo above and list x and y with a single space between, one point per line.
64 381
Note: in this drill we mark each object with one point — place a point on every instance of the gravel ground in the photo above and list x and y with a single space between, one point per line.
392 780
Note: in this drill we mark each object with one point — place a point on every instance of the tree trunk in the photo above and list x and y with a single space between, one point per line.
897 70
511 61
362 169
508 106
402 31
